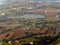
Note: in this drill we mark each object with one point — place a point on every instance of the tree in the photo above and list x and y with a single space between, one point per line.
45 40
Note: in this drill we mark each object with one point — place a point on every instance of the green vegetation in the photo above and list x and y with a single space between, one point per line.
6 44
58 41
50 25
33 20
58 30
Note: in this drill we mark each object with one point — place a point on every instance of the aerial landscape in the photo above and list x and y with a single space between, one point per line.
29 22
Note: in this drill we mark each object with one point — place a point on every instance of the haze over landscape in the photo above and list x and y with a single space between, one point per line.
2 2
29 22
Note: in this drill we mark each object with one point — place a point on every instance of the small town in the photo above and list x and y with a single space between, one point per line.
29 22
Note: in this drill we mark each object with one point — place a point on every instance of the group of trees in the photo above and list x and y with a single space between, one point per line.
47 40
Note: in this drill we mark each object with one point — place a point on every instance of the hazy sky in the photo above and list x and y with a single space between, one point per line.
40 0
2 1
51 0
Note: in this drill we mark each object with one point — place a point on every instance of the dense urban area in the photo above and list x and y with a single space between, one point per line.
29 22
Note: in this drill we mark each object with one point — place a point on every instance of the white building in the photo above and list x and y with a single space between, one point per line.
58 17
